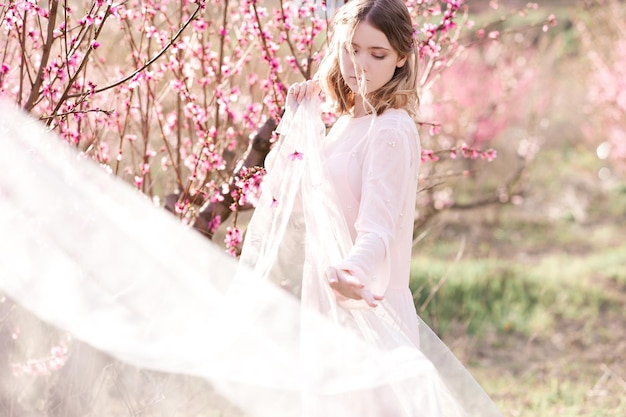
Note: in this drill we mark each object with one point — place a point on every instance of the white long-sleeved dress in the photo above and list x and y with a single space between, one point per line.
373 163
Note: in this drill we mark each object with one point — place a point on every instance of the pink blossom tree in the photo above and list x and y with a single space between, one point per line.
602 40
175 97
493 85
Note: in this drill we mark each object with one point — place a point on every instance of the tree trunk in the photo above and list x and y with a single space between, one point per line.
259 149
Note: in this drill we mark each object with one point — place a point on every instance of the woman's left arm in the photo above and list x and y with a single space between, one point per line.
391 162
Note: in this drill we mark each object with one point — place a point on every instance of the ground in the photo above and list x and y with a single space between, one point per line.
552 340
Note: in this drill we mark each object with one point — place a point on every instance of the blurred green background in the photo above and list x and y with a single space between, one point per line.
531 293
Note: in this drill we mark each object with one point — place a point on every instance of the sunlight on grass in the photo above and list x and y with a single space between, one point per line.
478 293
549 395
504 295
492 298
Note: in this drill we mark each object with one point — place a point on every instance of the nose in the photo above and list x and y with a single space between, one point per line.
360 64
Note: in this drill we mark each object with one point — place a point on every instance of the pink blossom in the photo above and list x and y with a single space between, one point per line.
429 155
214 223
296 155
435 129
551 22
489 155
181 206
44 366
246 187
232 240
494 35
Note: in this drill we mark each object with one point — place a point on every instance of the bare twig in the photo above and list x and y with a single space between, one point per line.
443 279
82 64
150 61
267 52
107 112
45 55
306 72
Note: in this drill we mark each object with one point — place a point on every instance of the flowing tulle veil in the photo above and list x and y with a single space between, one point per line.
105 264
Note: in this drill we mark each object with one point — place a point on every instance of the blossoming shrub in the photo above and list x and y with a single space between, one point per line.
603 43
488 103
167 94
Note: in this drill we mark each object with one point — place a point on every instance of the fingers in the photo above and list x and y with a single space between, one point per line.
299 91
350 279
370 299
349 286
367 296
331 273
304 90
338 278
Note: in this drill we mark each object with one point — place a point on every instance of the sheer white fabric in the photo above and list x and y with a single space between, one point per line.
106 265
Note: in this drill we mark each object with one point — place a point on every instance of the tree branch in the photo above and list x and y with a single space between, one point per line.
45 55
147 64
259 149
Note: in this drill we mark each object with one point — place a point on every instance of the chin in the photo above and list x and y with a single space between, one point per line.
355 89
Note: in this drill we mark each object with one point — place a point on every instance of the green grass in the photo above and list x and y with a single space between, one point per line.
507 295
481 294
542 331
551 395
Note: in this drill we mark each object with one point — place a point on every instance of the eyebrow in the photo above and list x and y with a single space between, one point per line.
372 47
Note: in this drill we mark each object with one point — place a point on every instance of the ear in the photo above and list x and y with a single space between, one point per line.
400 62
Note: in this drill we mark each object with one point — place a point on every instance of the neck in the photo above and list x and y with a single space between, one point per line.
359 109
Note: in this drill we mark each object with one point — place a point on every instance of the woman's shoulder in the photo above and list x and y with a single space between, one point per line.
396 119
397 126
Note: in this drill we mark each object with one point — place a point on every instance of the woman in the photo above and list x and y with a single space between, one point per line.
335 219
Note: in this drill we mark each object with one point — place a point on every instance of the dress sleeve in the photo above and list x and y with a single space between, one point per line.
388 168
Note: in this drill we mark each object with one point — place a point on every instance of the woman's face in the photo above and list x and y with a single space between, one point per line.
372 62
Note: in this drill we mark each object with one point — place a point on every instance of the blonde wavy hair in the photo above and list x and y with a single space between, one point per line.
393 19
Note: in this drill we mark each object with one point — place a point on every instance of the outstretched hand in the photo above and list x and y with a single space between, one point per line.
349 286
306 89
